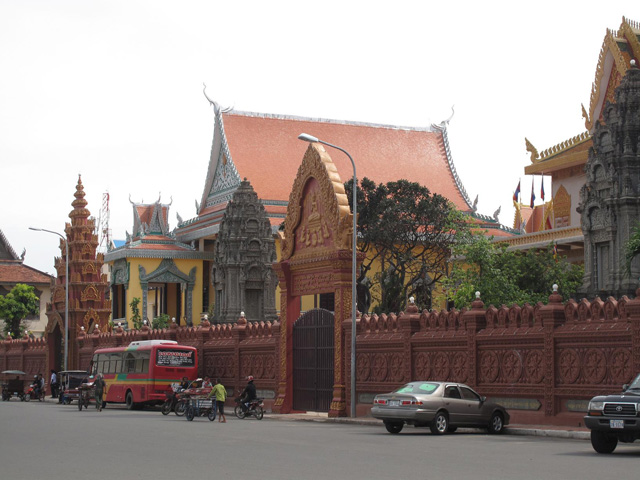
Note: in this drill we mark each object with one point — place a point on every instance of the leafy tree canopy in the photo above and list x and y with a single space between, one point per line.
410 232
16 305
632 247
506 277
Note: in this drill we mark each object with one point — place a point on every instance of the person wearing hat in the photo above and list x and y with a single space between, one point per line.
248 394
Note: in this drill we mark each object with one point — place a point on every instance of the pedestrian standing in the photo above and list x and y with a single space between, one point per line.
99 385
54 384
221 397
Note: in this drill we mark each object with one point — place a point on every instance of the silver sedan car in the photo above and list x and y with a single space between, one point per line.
441 406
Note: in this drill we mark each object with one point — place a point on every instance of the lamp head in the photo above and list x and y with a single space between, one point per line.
307 138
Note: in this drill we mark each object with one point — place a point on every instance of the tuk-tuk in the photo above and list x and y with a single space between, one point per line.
70 381
13 384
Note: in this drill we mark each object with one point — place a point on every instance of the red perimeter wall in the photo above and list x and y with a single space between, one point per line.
543 362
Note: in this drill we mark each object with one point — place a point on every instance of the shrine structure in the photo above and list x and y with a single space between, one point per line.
89 304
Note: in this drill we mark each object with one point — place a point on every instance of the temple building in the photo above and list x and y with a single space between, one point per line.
260 154
557 219
156 272
13 271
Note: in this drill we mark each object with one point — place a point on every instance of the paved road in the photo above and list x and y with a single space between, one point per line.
55 442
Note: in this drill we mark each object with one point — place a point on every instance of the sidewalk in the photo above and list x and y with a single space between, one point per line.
530 430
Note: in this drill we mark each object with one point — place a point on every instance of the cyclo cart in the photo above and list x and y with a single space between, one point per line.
199 403
70 381
13 386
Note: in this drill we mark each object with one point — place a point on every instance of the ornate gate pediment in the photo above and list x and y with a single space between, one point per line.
318 216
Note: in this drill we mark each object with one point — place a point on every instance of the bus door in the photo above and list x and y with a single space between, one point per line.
115 389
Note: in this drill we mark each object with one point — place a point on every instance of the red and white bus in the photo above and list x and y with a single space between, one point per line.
142 372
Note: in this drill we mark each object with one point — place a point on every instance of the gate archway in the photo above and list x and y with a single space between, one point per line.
313 361
315 259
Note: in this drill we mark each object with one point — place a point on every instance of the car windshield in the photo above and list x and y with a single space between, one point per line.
424 388
635 385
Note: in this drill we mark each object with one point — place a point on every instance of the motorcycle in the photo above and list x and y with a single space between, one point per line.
32 393
255 408
175 402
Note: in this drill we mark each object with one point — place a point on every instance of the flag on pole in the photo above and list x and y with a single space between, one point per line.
517 193
555 252
542 189
533 195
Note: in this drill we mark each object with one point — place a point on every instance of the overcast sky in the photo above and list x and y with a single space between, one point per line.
113 91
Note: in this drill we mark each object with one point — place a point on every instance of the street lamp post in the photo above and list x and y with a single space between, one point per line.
310 138
66 290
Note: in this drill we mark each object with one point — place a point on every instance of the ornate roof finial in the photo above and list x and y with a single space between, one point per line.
79 211
532 150
216 105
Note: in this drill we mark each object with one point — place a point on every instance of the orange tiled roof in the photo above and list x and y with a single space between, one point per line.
265 150
17 272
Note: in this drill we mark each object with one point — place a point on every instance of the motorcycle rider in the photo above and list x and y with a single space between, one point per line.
37 385
248 394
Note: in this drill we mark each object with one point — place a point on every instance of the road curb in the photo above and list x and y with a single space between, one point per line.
532 432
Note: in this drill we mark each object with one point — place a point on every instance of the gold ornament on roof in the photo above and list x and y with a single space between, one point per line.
562 146
610 45
535 158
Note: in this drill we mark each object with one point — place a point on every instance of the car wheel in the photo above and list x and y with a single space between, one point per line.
129 400
603 442
496 424
440 424
394 427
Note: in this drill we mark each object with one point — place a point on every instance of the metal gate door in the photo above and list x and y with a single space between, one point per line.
313 361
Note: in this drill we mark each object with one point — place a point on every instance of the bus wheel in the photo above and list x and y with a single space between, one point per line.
129 400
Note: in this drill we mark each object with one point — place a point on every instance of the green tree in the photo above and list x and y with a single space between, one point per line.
632 247
161 321
16 305
506 277
136 319
410 232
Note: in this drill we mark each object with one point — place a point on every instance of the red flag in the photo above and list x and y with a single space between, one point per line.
517 193
542 189
533 195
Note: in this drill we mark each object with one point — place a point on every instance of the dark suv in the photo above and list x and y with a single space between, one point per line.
614 418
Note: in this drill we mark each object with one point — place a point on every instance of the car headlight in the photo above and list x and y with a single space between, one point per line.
596 405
